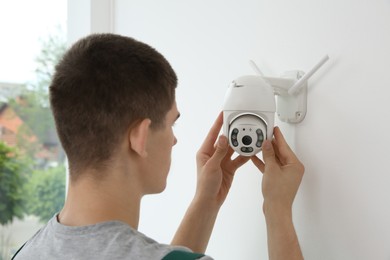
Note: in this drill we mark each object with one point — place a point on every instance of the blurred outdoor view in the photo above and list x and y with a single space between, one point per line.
32 163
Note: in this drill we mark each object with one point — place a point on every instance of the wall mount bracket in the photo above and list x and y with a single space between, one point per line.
290 90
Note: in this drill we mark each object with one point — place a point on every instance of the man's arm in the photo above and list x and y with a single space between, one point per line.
195 229
215 175
282 175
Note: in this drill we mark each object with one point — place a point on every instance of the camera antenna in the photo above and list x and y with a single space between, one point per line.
291 91
297 86
255 68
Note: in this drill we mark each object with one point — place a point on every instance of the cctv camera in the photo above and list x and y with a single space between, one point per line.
248 114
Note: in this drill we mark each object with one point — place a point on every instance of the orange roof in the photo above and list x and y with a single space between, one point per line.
10 120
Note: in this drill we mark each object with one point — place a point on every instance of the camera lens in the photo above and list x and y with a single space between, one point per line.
247 140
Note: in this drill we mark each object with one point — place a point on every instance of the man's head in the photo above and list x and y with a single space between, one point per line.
103 86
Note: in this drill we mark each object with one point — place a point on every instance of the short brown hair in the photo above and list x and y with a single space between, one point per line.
104 84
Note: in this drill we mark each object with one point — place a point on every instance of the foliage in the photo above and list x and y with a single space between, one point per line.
33 104
40 191
11 188
53 48
45 192
45 188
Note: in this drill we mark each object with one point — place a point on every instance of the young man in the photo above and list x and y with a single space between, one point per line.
113 100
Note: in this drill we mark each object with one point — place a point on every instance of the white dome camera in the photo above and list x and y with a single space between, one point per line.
248 114
249 107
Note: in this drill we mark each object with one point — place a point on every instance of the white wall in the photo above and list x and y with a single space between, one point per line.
208 44
342 210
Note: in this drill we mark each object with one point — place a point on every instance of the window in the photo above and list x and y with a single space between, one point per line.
32 171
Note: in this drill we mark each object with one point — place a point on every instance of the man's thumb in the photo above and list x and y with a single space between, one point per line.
268 152
221 149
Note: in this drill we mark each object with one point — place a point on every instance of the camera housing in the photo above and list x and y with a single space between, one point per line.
248 114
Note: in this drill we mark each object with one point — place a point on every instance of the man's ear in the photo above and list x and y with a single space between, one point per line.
138 136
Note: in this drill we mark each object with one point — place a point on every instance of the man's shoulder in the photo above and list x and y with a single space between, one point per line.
112 239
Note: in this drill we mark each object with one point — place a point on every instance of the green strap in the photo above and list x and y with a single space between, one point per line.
182 255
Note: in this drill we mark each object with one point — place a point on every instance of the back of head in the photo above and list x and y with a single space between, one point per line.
104 84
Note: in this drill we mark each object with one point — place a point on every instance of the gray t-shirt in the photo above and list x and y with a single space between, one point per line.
106 240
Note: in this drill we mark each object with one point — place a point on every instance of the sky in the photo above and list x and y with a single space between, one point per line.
23 23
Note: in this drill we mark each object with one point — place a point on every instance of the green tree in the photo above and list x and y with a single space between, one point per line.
43 186
26 188
32 106
11 185
45 192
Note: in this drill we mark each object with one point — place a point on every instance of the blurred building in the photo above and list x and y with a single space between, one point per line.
48 152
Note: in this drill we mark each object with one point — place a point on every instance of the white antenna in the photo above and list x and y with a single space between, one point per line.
255 68
295 88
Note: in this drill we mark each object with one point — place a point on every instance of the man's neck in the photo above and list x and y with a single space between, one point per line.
90 201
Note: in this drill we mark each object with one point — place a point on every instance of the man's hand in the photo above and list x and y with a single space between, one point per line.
215 167
282 175
215 176
282 172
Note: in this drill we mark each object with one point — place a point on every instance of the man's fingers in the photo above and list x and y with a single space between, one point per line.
258 163
208 143
239 161
268 153
283 150
220 150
